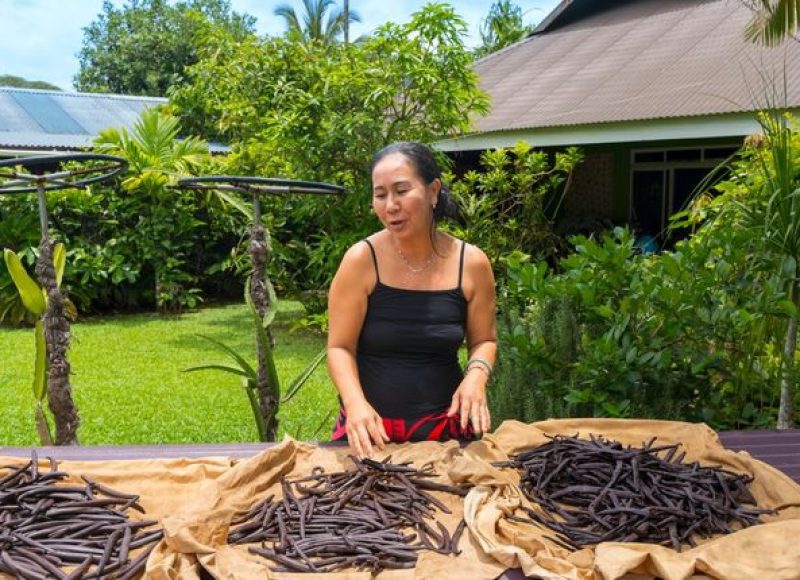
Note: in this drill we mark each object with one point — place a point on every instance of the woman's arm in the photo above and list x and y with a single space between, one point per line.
347 307
469 400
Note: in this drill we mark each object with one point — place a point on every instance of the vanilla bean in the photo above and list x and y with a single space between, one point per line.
330 521
599 490
45 526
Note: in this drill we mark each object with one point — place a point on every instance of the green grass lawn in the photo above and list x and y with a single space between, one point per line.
129 388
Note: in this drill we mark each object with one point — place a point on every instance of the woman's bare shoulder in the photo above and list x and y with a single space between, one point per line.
474 257
478 274
357 265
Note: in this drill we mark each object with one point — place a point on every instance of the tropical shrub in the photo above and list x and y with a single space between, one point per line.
120 235
312 111
615 333
698 333
760 210
512 201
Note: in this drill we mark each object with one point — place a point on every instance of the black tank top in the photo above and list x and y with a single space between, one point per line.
407 352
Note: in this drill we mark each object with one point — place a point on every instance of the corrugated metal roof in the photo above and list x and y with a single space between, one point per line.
31 118
646 59
37 119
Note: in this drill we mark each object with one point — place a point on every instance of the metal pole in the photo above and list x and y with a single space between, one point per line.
43 221
256 209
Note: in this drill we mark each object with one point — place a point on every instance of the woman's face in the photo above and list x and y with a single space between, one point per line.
401 199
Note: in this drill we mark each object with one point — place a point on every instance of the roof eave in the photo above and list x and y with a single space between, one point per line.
681 128
550 18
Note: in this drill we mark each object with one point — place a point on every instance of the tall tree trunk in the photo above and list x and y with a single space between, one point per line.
56 333
259 256
346 12
157 289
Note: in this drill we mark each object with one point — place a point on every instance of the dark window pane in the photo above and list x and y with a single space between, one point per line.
686 181
683 191
648 201
648 157
720 153
683 155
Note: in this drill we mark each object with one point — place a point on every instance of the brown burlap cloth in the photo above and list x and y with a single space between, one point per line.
196 500
768 551
163 487
201 529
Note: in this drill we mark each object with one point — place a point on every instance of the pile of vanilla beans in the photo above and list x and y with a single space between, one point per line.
46 526
597 490
378 516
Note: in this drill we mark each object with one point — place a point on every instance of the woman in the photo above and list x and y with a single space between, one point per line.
400 306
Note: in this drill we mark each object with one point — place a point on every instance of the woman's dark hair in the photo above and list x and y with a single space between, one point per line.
424 162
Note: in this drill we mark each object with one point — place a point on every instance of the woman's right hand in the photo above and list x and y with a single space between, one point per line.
364 429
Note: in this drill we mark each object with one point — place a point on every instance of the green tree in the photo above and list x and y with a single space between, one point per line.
775 217
312 24
14 81
773 21
142 47
157 159
501 27
512 201
308 111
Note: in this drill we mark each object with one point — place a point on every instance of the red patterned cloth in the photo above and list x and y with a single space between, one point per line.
432 427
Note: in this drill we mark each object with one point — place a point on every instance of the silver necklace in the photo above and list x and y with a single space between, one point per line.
414 270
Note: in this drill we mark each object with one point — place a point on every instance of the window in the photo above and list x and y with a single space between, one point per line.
662 184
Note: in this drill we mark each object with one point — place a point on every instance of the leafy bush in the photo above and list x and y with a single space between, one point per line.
617 334
312 111
110 250
20 234
119 237
512 201
704 332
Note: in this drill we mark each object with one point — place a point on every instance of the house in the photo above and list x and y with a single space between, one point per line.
656 92
40 121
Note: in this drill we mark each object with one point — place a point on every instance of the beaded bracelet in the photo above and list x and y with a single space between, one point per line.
479 367
484 365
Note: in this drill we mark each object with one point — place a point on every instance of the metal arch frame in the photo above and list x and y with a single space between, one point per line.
259 185
56 181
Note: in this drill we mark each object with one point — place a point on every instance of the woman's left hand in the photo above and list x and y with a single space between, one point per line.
469 402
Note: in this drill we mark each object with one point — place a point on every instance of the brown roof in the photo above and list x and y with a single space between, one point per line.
635 60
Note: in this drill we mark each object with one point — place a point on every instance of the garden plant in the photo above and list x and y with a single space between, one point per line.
263 384
40 174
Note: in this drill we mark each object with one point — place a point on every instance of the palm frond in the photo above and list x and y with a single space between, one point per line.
773 21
